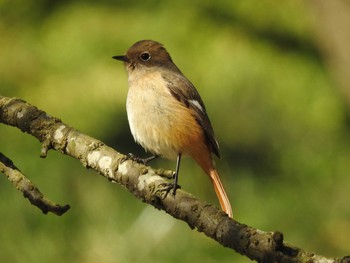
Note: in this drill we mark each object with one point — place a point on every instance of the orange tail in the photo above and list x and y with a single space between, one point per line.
220 192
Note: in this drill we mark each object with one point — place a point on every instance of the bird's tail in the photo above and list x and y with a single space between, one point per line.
220 192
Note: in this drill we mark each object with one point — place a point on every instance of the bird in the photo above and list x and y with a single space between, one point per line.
166 114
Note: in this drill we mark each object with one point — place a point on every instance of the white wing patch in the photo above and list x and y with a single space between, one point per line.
196 104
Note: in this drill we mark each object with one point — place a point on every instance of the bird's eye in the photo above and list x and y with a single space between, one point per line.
145 56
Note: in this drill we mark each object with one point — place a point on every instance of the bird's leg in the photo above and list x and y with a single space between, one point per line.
174 186
141 160
176 176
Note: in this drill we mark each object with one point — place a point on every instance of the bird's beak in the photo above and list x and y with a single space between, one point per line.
121 58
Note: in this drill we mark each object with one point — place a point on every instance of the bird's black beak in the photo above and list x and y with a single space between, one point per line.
121 58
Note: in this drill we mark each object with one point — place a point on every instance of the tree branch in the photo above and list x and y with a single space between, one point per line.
150 186
28 189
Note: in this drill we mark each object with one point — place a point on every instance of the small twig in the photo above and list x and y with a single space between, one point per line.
164 173
28 189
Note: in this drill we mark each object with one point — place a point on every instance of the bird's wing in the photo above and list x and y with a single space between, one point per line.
184 91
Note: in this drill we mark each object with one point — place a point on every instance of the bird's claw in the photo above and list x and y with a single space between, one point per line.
137 159
170 187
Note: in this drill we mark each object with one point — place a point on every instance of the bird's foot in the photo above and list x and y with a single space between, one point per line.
170 188
137 159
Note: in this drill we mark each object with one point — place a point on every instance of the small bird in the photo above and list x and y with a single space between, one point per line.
166 114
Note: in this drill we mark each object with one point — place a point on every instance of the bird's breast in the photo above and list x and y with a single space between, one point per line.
160 123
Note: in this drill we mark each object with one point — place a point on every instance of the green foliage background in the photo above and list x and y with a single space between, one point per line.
282 126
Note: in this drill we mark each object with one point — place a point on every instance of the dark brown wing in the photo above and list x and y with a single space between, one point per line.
184 91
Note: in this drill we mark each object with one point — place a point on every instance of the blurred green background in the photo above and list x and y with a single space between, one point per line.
282 125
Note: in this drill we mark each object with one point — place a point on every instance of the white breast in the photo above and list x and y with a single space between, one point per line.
150 115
